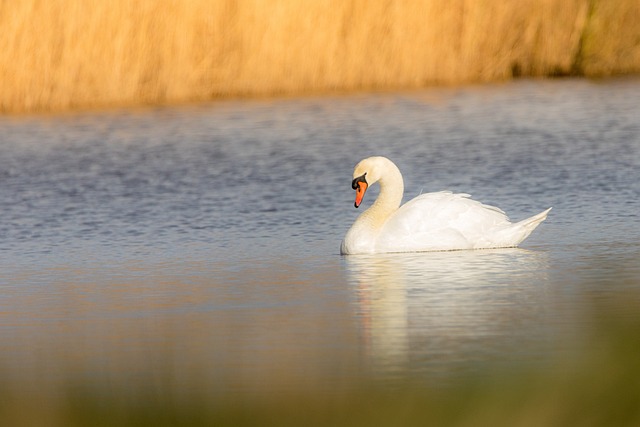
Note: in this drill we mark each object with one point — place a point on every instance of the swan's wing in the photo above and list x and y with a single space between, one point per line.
440 221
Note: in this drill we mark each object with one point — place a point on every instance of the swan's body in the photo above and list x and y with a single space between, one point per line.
430 222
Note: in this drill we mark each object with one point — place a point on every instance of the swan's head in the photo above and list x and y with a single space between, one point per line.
366 173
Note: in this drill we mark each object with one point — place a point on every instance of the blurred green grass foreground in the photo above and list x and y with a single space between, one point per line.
70 54
597 384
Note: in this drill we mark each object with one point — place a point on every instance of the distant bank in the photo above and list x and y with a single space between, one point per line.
72 54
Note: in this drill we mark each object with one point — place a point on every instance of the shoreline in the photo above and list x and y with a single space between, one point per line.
338 94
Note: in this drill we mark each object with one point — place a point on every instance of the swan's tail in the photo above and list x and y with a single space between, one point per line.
523 228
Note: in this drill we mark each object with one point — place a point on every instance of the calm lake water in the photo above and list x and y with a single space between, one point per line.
198 247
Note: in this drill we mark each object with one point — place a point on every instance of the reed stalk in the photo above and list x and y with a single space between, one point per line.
67 54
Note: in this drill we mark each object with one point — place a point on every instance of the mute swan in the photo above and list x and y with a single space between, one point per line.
439 221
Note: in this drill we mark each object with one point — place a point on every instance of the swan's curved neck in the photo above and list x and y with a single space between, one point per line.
390 197
362 235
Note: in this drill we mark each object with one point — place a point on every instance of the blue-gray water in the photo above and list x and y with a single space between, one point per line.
198 247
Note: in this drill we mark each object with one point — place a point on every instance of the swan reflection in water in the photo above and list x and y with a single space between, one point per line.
442 313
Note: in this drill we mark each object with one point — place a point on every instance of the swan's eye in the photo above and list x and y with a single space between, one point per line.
354 183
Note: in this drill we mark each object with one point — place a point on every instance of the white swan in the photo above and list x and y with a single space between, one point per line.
439 221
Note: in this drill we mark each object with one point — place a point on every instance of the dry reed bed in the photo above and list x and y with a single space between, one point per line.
63 54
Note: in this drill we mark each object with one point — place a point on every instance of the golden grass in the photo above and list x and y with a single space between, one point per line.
62 54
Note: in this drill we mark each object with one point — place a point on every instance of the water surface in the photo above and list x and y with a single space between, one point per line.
199 246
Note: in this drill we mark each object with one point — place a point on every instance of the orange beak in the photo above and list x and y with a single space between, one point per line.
362 188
